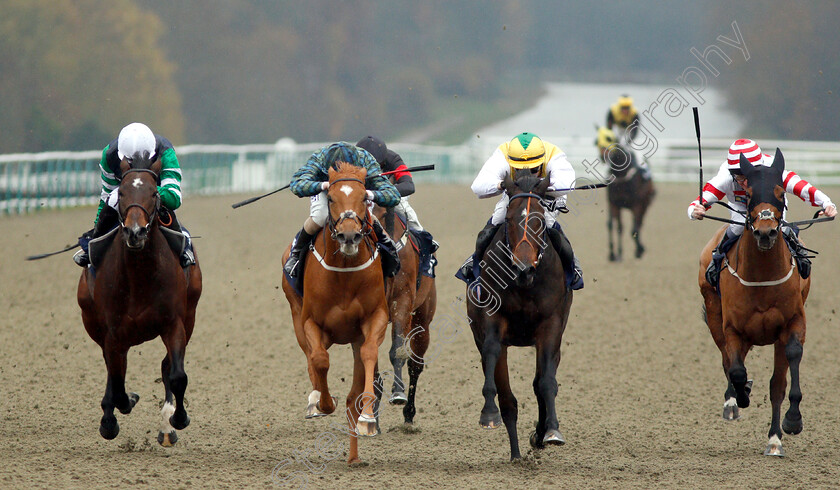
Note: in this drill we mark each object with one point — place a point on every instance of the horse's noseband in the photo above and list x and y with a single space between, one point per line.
764 214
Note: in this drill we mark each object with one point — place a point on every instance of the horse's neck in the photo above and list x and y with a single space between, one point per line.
760 265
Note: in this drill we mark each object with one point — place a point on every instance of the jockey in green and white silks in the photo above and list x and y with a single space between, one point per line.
136 138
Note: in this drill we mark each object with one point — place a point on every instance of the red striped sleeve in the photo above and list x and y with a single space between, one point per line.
797 189
812 195
787 179
400 172
710 188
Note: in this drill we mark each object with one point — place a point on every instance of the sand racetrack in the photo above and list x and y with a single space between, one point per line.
641 384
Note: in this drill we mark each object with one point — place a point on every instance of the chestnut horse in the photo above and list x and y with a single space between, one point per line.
761 302
521 299
343 303
139 292
411 309
627 190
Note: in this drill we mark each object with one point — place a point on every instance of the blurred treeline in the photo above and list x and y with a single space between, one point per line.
251 71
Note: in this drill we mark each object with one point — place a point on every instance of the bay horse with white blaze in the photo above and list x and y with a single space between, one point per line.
139 292
412 301
761 302
526 276
343 303
628 189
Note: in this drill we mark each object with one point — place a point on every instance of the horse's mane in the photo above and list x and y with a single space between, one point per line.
140 160
347 170
528 182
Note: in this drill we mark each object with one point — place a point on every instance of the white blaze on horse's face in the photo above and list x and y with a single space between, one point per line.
347 190
137 182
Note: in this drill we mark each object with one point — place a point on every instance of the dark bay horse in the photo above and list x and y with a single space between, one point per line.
411 309
521 300
343 303
761 302
140 292
627 190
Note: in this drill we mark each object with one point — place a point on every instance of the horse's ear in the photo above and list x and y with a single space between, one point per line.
746 166
778 161
542 187
508 184
124 166
157 166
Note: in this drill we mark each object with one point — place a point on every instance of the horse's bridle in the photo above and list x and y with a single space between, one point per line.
150 216
367 227
529 196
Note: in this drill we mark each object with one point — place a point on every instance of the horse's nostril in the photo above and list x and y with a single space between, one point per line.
756 234
773 233
357 237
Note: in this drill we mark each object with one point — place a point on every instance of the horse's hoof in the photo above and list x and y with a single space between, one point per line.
313 410
398 398
132 400
492 421
639 252
109 430
774 447
554 437
167 439
614 258
179 424
792 427
535 443
748 386
366 426
730 410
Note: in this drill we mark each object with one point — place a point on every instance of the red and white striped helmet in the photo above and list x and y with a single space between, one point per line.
749 149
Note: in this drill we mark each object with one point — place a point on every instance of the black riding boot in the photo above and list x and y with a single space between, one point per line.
188 255
387 250
107 220
799 253
725 245
567 256
485 236
301 243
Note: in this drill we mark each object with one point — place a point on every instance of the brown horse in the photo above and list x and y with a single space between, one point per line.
411 309
761 302
627 190
139 292
343 303
521 299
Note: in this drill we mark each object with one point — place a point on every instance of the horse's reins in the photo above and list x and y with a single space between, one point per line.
150 216
525 239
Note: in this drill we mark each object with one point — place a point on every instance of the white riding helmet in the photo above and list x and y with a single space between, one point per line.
136 138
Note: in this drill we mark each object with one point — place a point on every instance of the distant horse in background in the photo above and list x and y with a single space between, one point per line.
140 291
761 302
412 301
628 190
526 276
343 303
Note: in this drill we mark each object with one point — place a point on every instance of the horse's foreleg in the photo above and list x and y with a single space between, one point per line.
612 257
115 395
176 346
399 319
737 372
320 402
374 330
507 403
778 384
616 213
490 351
638 216
418 344
792 424
545 388
354 405
167 436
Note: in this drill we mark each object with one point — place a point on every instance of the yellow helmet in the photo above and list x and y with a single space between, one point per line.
526 150
606 138
625 101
